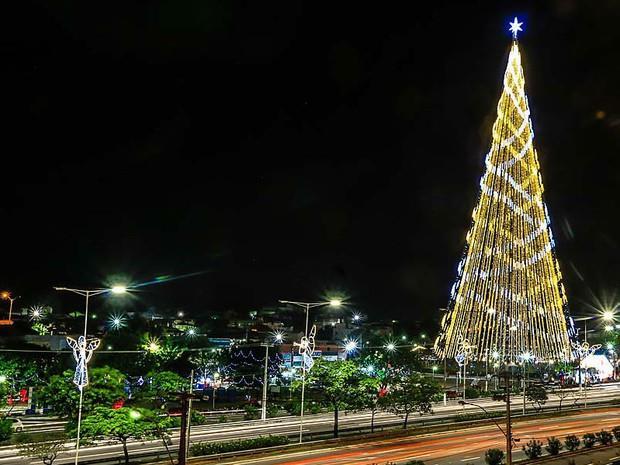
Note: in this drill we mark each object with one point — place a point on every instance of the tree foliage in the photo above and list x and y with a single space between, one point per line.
122 425
410 392
46 451
105 387
537 395
336 384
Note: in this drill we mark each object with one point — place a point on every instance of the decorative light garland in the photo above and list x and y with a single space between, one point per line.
508 297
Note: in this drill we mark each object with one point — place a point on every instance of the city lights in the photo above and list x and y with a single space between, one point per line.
37 312
390 347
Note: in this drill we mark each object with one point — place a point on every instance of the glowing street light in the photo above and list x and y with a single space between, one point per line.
86 293
191 332
118 289
390 347
307 306
350 346
278 337
608 315
6 295
36 313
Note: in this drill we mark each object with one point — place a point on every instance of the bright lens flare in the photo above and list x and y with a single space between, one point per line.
117 321
118 289
37 312
609 315
350 346
390 347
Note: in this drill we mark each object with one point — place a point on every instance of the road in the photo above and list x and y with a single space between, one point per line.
450 448
313 424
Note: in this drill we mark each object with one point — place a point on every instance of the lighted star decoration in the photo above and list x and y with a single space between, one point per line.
117 321
82 352
515 27
37 312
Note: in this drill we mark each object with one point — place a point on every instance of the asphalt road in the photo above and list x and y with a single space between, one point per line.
450 448
290 426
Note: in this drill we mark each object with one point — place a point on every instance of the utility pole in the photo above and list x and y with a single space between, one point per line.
185 398
508 422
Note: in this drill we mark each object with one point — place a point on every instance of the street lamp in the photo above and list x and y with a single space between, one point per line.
307 306
6 295
609 315
83 352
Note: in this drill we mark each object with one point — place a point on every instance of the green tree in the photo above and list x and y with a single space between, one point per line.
537 395
46 451
163 386
605 437
369 397
572 442
533 449
105 387
494 457
337 384
410 392
589 440
554 445
122 425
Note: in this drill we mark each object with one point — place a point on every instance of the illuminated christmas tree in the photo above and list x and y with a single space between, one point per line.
508 301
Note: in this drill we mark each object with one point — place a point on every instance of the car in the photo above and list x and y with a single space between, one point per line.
16 425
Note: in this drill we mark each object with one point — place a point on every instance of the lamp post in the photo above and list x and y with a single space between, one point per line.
307 306
86 293
7 296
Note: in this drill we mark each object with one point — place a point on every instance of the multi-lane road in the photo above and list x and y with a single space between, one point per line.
313 425
450 448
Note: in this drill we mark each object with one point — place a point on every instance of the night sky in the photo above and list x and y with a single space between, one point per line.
289 149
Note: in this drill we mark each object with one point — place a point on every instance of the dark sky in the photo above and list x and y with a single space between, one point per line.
291 148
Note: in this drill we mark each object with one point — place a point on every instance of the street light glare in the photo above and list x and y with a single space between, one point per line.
350 346
390 346
609 315
335 302
118 289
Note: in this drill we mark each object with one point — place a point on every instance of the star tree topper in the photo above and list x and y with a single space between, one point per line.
515 27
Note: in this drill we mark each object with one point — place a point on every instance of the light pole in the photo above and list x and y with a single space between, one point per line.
307 306
265 382
87 293
7 296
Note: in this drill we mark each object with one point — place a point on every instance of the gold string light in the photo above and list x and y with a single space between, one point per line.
508 298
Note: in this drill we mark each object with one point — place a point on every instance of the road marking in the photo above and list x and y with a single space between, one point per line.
469 458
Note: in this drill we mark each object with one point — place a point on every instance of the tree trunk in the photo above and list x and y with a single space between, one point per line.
125 451
406 420
336 421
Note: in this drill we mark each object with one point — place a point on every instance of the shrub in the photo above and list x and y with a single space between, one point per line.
6 429
589 440
554 446
605 437
533 449
471 393
494 457
272 410
222 419
251 412
616 432
572 442
209 448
